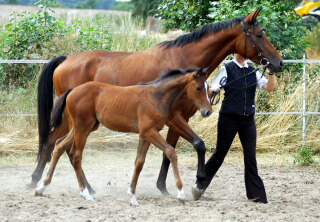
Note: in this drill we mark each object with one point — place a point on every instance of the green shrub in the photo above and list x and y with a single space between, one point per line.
33 35
304 156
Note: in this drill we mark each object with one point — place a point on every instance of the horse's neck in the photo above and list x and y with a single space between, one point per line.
212 49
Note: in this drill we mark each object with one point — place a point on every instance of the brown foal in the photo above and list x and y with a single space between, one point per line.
142 109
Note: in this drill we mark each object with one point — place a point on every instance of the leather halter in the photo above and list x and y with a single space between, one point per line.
262 58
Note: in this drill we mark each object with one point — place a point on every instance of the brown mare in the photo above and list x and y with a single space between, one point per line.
142 109
209 45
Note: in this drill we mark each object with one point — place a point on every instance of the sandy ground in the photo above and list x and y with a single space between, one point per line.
293 191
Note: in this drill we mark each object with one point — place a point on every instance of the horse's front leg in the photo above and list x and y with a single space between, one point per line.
154 137
178 125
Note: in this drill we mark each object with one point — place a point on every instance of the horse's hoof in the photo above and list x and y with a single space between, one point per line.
165 192
31 185
182 201
163 189
196 192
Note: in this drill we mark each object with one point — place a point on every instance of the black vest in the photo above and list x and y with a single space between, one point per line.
239 97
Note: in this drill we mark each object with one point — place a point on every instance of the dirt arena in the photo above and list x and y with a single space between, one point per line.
293 191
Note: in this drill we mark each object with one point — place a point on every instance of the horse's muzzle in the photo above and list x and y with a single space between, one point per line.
206 113
276 66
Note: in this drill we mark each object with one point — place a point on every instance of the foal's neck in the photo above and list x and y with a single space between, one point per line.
172 90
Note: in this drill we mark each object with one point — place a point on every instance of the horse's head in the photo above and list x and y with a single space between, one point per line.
197 91
255 45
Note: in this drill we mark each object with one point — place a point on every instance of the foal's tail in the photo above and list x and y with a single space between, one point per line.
57 111
45 100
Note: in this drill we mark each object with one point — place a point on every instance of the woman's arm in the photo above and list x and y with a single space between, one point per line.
269 86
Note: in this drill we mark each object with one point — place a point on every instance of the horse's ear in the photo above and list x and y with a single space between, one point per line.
206 71
252 18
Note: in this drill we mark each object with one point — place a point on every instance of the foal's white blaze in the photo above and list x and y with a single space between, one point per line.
207 88
133 200
86 195
181 194
40 189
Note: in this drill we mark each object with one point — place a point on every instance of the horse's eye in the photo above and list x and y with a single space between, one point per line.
259 36
199 88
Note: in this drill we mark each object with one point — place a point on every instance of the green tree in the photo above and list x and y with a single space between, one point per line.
144 8
33 35
12 2
88 4
123 6
285 29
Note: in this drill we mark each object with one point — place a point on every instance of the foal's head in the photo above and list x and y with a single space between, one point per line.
197 90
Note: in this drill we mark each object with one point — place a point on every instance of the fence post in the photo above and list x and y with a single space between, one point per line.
304 134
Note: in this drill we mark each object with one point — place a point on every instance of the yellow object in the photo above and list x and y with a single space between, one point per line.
308 8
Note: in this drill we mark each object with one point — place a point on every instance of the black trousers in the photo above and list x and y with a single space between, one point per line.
228 127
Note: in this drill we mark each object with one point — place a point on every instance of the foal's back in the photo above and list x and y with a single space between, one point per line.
117 108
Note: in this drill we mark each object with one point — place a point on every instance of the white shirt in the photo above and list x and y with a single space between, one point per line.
261 80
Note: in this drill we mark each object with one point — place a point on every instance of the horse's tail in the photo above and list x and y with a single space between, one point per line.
45 100
57 111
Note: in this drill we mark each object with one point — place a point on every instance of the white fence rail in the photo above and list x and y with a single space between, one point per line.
304 112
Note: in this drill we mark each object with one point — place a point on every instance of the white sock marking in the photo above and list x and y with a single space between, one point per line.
133 200
41 188
86 195
181 194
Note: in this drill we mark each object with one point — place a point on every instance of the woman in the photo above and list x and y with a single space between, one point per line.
237 116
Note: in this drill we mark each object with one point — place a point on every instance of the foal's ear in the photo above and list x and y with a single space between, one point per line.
198 73
252 18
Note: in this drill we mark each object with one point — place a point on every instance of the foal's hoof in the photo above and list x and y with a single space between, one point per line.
37 193
40 189
86 195
181 197
196 192
182 201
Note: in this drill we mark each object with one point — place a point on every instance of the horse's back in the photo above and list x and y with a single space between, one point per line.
83 67
116 68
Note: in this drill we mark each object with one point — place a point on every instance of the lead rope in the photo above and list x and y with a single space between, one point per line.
215 97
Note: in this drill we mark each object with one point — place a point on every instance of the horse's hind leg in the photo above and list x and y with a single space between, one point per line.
46 153
172 139
91 191
140 159
61 146
80 139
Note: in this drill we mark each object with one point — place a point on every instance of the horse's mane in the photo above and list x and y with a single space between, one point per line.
170 74
199 33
